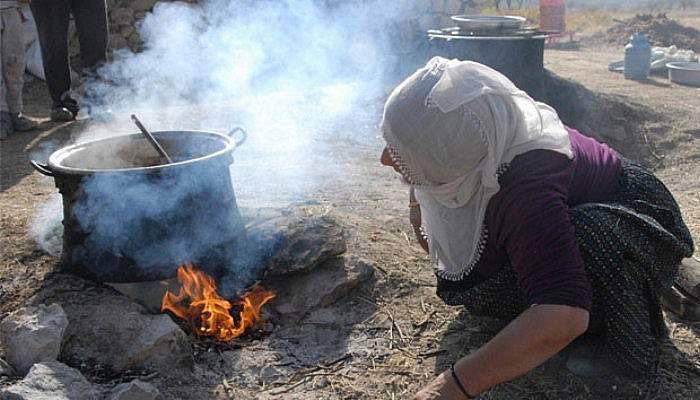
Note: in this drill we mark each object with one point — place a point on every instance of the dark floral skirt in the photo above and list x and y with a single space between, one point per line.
631 248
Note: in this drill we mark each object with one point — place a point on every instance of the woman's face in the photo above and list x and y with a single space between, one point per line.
385 159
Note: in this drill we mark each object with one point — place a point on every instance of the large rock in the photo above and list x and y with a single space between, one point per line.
111 330
123 338
51 380
301 293
134 390
33 334
295 242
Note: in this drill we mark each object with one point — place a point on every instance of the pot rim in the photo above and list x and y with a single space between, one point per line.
57 156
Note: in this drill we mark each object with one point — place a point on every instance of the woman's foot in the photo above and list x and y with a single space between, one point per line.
683 298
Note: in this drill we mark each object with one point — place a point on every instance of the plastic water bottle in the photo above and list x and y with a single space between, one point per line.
637 57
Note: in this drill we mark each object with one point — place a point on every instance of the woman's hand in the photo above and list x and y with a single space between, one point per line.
441 388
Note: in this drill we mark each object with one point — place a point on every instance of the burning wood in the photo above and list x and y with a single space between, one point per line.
207 312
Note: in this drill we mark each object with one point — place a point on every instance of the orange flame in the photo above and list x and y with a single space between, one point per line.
208 312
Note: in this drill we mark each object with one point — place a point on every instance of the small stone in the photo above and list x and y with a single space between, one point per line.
126 30
6 369
122 16
134 390
33 334
322 382
135 41
51 380
269 374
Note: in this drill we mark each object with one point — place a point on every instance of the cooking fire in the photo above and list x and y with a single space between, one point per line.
209 314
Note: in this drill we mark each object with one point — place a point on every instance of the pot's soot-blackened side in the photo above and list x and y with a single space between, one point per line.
128 219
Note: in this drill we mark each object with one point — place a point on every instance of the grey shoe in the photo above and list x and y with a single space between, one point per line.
5 125
61 114
20 123
65 110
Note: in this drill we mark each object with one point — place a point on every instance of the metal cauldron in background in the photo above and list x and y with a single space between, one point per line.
126 218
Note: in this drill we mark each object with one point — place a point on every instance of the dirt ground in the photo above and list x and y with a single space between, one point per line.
395 334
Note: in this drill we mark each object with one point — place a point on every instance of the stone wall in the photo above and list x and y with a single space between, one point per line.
124 16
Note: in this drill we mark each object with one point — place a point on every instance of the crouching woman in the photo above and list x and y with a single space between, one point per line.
529 220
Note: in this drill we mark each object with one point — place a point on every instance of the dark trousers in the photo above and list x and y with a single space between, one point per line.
52 18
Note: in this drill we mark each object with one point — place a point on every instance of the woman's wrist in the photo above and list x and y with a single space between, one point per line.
458 382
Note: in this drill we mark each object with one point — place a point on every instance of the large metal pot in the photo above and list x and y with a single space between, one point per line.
126 218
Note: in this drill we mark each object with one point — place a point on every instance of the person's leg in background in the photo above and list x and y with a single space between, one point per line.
13 60
52 18
91 25
5 121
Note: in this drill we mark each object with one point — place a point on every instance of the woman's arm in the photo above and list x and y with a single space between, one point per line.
529 340
415 217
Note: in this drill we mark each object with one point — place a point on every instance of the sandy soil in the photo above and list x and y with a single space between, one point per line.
384 359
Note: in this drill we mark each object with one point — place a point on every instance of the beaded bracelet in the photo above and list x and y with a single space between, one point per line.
459 384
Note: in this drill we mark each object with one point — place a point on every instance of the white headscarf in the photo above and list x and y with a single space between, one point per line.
452 127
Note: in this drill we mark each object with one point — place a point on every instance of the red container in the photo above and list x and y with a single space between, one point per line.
553 15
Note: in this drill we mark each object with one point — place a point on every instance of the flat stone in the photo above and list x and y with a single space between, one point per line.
51 380
335 278
148 294
134 390
33 334
294 242
110 329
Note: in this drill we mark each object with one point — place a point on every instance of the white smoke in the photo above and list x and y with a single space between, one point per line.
288 71
303 77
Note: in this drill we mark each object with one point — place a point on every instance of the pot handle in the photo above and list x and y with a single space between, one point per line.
238 134
43 169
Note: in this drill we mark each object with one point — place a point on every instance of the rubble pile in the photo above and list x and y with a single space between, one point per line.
659 29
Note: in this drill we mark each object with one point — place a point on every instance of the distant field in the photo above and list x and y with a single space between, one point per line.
591 21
